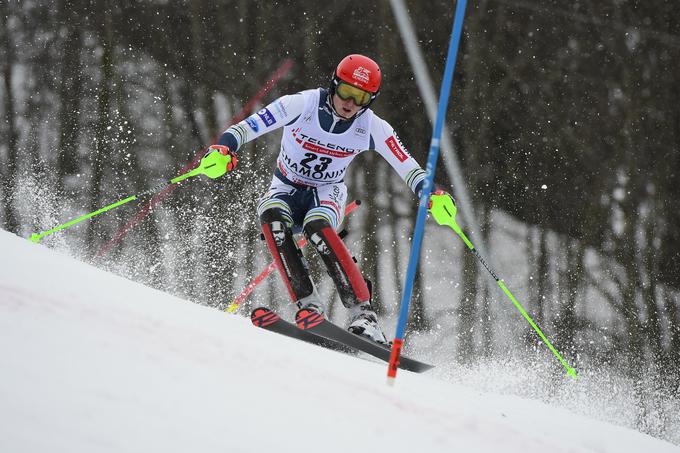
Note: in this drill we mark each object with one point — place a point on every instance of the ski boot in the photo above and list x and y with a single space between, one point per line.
365 324
311 302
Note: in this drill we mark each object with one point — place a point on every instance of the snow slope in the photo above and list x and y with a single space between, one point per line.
91 362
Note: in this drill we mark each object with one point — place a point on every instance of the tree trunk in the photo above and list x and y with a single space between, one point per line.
486 320
101 136
70 93
467 310
672 304
9 175
569 323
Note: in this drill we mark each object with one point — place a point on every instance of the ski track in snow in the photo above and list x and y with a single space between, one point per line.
92 362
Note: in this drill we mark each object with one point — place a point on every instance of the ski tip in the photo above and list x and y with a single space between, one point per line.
262 317
232 307
308 319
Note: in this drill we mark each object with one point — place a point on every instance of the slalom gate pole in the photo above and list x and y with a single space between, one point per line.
445 214
433 155
268 270
212 165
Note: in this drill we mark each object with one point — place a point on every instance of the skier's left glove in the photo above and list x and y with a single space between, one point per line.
225 151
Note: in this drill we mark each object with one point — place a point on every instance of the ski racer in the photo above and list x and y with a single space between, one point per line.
323 131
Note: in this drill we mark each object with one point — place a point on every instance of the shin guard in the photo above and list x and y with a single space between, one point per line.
286 254
340 264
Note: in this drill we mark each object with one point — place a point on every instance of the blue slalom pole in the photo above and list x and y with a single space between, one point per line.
433 156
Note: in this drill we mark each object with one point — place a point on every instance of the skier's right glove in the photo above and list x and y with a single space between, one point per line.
225 151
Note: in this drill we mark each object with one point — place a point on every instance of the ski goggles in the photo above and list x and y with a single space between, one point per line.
360 97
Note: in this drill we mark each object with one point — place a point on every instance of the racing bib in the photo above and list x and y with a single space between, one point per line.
313 157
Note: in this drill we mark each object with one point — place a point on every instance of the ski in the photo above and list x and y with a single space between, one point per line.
311 321
267 319
312 327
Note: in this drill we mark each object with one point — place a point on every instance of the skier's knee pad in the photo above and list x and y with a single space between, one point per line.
276 215
339 262
314 232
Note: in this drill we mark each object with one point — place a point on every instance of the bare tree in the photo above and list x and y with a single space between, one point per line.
70 89
101 135
10 167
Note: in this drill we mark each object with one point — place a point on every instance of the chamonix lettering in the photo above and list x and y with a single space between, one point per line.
311 172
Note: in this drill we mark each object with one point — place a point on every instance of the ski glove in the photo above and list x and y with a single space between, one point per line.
437 191
440 198
225 151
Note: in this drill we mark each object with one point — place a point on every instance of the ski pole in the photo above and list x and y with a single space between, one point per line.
268 270
443 209
213 165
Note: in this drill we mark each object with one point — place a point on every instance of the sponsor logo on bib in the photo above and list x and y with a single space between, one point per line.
394 146
329 149
252 123
266 116
281 108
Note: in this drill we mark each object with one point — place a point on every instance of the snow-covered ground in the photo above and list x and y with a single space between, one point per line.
92 362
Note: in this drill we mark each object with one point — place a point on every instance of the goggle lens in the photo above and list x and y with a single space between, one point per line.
360 97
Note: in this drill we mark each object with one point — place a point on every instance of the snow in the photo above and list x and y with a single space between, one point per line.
92 362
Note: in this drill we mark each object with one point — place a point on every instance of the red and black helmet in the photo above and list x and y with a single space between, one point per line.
358 71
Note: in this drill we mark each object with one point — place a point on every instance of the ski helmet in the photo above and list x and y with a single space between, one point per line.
358 71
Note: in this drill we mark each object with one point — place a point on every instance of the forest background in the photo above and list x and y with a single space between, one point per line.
564 117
